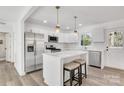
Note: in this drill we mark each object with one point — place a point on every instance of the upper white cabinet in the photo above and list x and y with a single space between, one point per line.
60 37
98 35
68 38
64 37
46 37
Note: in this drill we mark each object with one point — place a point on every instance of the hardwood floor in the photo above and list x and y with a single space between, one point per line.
105 77
9 77
96 77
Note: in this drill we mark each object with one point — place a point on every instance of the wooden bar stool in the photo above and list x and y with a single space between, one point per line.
71 67
82 63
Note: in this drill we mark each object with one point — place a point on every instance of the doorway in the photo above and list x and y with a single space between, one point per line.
2 47
5 47
115 48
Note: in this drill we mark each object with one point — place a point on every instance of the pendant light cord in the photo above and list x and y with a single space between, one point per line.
75 21
57 7
57 17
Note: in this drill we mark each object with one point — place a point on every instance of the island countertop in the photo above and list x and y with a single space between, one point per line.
65 54
53 65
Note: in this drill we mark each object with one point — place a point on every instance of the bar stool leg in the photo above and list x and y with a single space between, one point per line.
85 71
71 77
63 77
79 77
73 73
80 74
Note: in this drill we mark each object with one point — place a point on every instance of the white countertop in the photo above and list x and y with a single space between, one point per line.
65 54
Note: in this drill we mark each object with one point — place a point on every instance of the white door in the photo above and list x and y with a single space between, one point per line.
2 47
115 48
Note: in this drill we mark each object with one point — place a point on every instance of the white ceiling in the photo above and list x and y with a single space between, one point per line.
10 13
87 15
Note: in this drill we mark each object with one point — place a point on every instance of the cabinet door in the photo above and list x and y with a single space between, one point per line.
67 38
98 35
71 38
60 38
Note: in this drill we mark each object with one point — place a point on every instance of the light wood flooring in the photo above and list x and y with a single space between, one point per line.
96 77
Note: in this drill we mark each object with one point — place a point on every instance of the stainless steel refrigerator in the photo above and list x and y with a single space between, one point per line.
34 48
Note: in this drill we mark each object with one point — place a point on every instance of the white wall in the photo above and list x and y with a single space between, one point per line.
18 47
15 30
18 29
102 46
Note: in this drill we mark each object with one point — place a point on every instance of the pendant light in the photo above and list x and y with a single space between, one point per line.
75 29
57 26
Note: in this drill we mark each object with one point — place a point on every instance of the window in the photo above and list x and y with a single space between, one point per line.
115 39
86 39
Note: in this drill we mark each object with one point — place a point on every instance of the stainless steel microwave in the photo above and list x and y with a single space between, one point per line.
52 38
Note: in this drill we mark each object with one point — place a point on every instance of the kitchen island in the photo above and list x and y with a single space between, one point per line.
53 65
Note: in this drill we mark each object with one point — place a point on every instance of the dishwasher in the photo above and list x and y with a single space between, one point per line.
95 58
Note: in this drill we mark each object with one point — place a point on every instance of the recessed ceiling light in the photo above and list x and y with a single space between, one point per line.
67 27
80 24
44 21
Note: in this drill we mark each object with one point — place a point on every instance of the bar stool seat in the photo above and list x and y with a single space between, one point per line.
82 62
71 67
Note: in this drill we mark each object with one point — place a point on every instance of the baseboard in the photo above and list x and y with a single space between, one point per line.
113 68
8 61
2 60
20 73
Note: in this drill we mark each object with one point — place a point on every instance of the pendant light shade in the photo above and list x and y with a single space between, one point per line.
75 29
57 26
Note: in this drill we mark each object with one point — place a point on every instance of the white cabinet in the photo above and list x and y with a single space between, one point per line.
47 34
68 38
46 37
63 37
60 37
98 35
73 37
